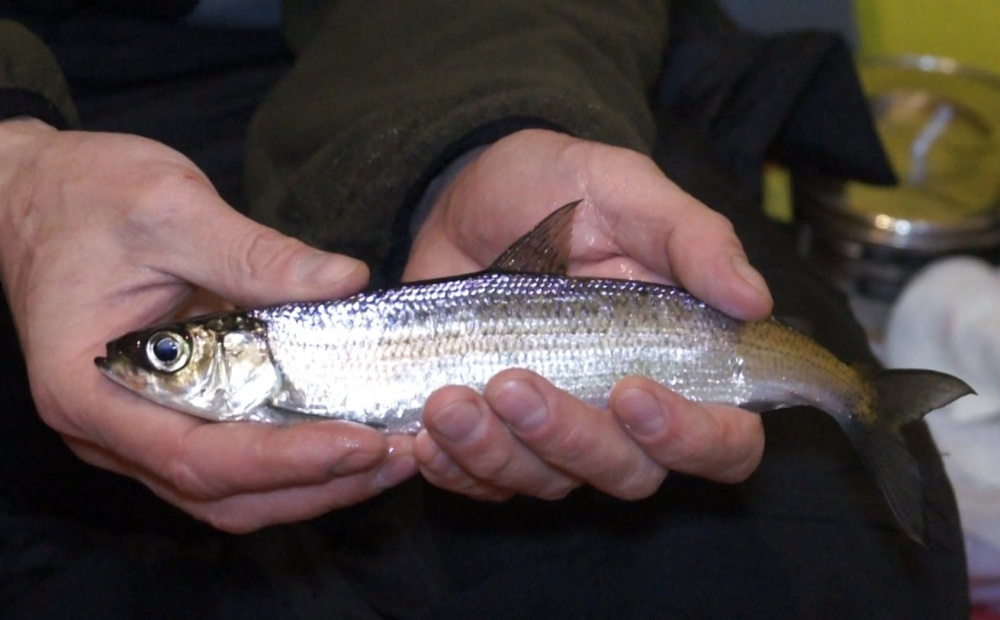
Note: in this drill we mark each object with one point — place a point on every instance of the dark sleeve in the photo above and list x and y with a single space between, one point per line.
31 83
380 100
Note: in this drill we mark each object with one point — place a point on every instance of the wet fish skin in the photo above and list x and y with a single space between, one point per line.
376 357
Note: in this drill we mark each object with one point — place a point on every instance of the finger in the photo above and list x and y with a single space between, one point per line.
471 437
247 512
665 228
584 441
219 249
440 470
217 460
716 442
709 261
681 238
213 460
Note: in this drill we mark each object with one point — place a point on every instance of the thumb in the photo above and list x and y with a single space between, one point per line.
250 264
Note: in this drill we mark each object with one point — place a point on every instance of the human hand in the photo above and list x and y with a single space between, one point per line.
522 435
101 234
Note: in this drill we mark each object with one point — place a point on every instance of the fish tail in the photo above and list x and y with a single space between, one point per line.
901 397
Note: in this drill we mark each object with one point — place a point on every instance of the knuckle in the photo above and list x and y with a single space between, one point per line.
183 478
557 489
159 192
262 254
495 465
640 483
571 446
158 202
747 459
226 520
734 447
721 222
672 446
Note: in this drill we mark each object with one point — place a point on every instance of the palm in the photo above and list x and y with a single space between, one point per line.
634 222
117 233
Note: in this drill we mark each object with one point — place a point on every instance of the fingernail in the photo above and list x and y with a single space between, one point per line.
395 470
457 421
519 404
641 412
323 268
750 275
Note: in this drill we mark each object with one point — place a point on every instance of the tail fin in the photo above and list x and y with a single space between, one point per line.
902 396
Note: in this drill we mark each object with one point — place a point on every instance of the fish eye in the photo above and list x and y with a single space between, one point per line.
167 351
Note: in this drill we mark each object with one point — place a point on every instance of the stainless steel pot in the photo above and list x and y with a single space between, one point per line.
940 123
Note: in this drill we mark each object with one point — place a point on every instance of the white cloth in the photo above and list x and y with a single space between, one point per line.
948 319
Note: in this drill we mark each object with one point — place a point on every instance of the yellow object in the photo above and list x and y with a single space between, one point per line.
966 30
778 193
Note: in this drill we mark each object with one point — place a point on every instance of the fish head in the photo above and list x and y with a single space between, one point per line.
217 368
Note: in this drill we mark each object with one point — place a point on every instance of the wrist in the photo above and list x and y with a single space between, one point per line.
19 138
438 187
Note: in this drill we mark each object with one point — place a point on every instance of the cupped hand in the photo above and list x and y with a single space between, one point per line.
101 234
522 435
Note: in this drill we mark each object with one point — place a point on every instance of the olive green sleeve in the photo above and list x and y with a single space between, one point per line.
31 83
382 96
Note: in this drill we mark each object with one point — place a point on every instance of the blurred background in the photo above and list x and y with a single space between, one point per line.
919 261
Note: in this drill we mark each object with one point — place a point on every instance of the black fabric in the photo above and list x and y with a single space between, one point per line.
794 97
163 9
16 102
806 537
432 73
31 83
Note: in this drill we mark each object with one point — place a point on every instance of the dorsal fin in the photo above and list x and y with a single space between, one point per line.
544 249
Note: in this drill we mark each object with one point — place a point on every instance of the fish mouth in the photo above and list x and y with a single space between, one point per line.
112 369
107 367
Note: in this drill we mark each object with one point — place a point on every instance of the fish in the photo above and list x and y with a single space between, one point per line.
376 356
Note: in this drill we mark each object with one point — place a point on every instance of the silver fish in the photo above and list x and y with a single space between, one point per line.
375 357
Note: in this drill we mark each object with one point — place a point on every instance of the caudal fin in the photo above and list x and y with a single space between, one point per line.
903 396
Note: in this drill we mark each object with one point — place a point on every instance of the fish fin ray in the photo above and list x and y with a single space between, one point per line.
544 249
902 397
888 461
905 396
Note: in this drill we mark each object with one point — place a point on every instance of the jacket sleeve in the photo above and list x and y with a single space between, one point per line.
31 83
383 96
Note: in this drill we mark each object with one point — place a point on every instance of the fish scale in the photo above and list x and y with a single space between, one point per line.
376 357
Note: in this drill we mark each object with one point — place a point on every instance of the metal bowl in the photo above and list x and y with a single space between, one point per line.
940 123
